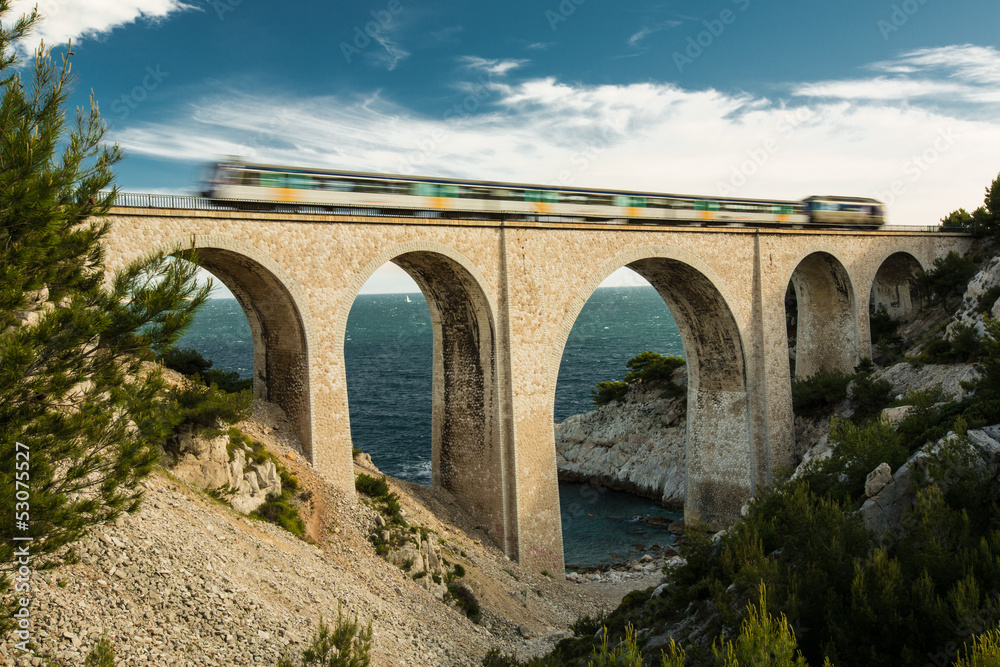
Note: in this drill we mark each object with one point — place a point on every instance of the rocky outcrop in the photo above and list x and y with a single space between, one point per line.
208 464
635 445
890 497
972 302
949 377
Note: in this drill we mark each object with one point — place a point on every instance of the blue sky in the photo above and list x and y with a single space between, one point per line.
898 100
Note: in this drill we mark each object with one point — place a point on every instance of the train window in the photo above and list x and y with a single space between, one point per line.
574 198
547 196
630 201
336 184
300 181
250 178
600 200
449 190
475 193
706 205
272 180
659 202
425 189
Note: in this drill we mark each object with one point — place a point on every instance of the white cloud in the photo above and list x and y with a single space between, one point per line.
645 136
63 20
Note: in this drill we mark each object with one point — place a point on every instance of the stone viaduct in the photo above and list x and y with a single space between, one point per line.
503 297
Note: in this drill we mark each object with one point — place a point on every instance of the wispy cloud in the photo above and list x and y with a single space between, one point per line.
648 30
393 53
645 136
492 66
86 19
950 74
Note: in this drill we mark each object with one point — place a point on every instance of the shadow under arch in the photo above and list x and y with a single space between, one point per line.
826 328
469 459
279 324
892 287
719 449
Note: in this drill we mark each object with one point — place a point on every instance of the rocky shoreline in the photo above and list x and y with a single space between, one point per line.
636 445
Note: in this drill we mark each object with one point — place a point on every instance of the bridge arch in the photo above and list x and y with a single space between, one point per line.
892 286
280 324
719 445
826 328
468 458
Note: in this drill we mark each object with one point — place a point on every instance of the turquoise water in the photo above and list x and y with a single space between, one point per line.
388 356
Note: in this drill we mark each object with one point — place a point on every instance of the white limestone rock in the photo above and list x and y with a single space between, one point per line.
877 479
635 445
988 277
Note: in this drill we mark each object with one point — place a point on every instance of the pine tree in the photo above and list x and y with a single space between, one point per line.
81 414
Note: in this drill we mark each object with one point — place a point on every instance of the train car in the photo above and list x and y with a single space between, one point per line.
845 211
240 181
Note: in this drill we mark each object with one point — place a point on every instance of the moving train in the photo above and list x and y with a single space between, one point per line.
237 181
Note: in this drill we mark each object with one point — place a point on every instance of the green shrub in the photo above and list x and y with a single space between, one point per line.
202 407
346 644
606 392
186 361
985 651
465 600
189 362
102 655
278 510
228 381
889 344
763 641
857 451
650 369
949 277
819 393
869 396
374 487
987 299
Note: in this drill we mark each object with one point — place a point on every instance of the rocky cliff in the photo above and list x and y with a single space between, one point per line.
635 445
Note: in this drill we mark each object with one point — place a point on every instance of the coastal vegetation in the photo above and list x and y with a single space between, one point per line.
801 578
82 416
188 361
649 369
346 644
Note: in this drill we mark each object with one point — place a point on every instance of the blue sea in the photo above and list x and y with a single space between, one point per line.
388 356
